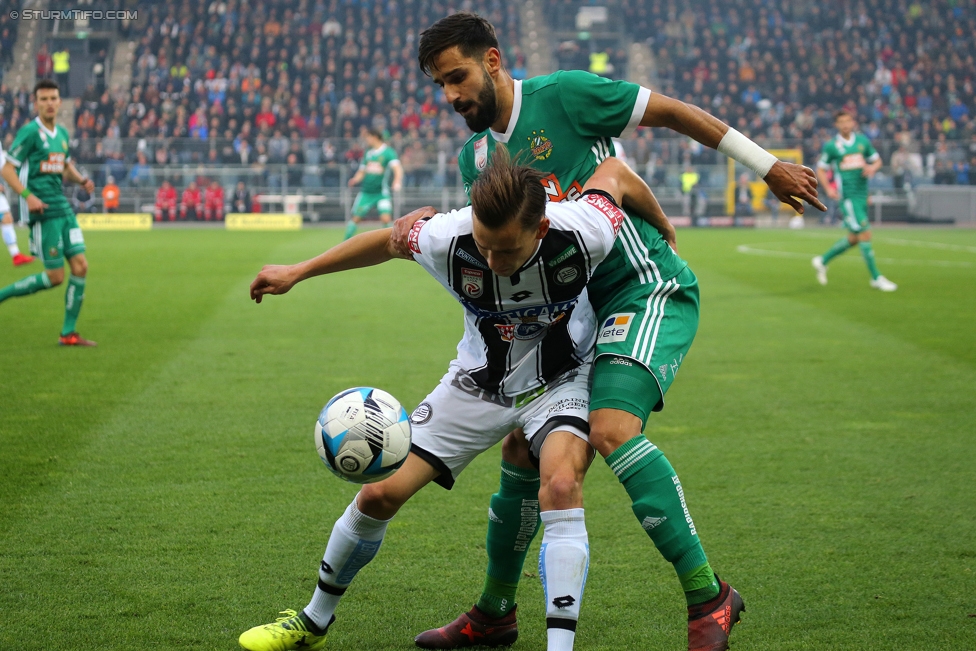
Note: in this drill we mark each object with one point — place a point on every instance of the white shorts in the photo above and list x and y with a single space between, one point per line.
458 421
4 206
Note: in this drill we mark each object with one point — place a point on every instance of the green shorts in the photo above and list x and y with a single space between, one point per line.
366 200
855 214
646 330
54 240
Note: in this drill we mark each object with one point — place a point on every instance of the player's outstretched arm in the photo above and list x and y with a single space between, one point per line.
629 190
403 226
9 173
363 250
72 175
790 183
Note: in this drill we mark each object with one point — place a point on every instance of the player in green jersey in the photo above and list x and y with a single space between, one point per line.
854 161
37 163
378 161
645 297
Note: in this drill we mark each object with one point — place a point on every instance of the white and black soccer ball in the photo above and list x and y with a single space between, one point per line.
363 435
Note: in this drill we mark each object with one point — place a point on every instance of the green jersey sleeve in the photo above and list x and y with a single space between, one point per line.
466 166
23 146
599 107
870 153
827 156
390 157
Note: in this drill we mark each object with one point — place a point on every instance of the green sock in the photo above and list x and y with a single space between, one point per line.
513 520
73 297
350 229
868 252
839 247
700 584
659 504
26 286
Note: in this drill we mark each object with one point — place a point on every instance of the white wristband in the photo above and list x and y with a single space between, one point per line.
737 147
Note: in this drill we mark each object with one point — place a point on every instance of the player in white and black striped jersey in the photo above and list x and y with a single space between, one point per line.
519 266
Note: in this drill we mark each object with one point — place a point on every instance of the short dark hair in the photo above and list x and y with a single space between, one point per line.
842 112
470 32
373 131
46 83
507 190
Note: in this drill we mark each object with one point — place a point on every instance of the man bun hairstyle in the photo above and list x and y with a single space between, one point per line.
44 84
468 31
507 190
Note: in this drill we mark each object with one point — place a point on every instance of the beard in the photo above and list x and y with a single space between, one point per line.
485 107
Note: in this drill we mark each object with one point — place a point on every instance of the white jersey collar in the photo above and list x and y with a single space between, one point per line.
516 109
41 125
847 143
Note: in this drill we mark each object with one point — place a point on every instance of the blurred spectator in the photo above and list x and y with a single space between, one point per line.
191 202
166 202
45 65
743 197
213 208
110 196
242 198
140 174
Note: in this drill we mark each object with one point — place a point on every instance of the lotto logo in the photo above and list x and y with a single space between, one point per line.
615 328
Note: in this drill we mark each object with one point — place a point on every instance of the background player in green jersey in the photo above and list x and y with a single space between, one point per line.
7 225
854 160
648 313
379 162
37 163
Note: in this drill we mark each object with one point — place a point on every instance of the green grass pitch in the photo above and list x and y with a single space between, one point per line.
162 490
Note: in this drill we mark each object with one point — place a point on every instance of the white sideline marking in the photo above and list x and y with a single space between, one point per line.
752 250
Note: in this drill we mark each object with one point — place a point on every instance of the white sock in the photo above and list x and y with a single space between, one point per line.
564 560
10 238
355 540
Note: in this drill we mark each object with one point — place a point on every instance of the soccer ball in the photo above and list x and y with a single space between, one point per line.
363 435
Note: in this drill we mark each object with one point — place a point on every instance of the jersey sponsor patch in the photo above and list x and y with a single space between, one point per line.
472 282
604 205
567 274
54 163
470 259
615 328
481 153
413 239
852 162
554 191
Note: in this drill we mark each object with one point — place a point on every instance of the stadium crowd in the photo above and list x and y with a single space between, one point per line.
252 84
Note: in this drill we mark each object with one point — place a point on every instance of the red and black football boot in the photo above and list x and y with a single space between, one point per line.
473 628
74 339
710 623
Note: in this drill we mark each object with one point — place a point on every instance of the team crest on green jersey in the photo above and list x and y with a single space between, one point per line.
541 146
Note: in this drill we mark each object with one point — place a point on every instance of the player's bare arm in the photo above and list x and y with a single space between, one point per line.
364 250
825 182
397 176
402 226
9 174
72 175
872 168
357 178
787 181
629 190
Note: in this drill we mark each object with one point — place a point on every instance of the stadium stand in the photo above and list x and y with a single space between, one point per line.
275 92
